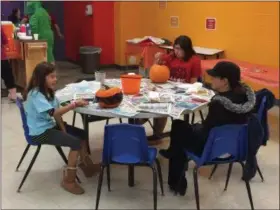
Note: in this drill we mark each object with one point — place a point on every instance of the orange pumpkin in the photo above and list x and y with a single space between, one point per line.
159 73
109 97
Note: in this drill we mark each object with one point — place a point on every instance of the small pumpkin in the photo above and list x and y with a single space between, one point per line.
159 73
109 97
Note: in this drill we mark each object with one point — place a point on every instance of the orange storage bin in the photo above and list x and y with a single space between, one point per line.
12 49
131 83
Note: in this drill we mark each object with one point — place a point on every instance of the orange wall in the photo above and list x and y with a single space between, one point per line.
132 19
248 31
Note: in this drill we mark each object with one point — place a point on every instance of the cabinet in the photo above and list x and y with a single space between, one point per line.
30 54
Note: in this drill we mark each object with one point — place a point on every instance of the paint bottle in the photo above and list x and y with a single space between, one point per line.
22 28
28 30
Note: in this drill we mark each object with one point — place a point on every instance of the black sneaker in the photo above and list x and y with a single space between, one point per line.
179 188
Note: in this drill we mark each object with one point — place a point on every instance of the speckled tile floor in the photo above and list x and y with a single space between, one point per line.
42 188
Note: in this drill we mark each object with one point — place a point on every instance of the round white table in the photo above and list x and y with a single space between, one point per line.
141 115
87 112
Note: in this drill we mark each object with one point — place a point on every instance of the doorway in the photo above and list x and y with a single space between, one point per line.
56 9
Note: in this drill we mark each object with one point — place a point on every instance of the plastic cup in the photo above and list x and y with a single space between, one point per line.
100 76
36 36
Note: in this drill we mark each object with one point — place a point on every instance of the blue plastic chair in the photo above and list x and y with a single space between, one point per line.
261 111
126 144
227 139
31 143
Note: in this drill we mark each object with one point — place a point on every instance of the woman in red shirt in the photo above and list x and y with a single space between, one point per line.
184 66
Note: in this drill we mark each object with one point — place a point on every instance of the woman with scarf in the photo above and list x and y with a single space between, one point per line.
232 104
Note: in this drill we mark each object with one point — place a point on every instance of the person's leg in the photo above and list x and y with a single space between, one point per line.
59 138
159 125
8 77
180 132
88 167
176 175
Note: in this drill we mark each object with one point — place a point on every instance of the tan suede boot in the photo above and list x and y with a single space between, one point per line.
88 167
69 181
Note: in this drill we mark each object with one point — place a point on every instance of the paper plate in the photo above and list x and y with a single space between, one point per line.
26 37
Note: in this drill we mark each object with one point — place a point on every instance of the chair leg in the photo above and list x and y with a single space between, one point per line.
260 173
74 119
196 190
131 175
213 171
29 167
160 176
248 188
61 153
108 178
154 131
23 156
155 186
228 175
100 180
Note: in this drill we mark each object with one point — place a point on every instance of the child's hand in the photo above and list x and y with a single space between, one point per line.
81 103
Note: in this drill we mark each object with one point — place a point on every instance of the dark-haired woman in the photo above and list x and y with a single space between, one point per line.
15 16
6 70
44 119
184 66
232 104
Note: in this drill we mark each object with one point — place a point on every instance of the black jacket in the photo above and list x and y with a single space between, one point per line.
232 107
270 100
255 137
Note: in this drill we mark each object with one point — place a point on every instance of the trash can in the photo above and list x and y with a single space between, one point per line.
90 59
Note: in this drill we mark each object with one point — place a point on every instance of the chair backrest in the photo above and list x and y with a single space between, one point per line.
230 140
125 143
262 110
24 121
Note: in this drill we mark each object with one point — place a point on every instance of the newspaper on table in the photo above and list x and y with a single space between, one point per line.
81 90
176 111
135 100
158 108
86 96
171 98
124 109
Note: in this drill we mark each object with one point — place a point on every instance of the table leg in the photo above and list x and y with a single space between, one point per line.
86 128
218 56
131 176
187 118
